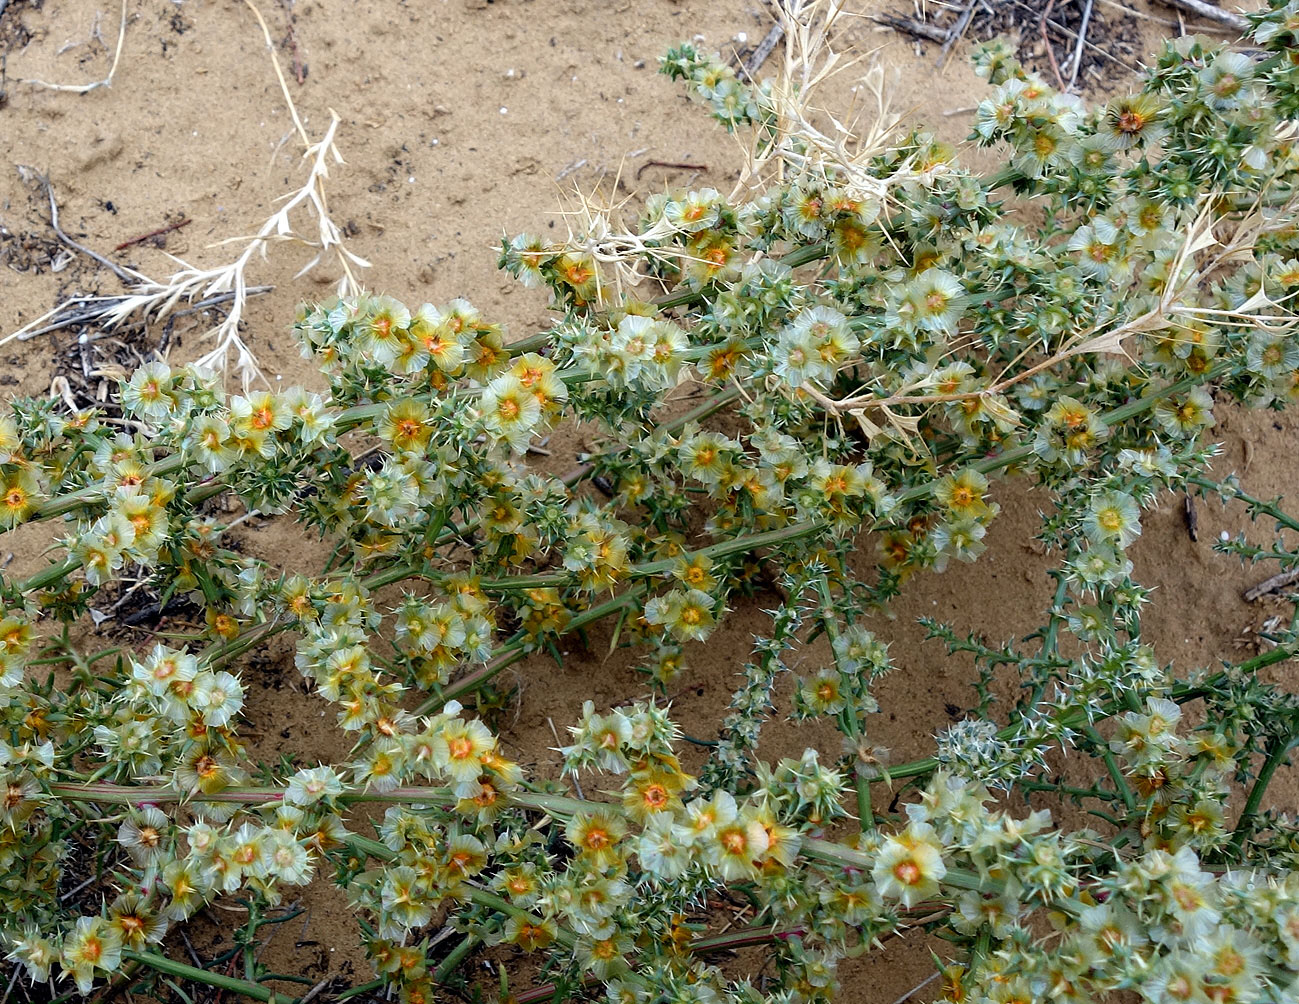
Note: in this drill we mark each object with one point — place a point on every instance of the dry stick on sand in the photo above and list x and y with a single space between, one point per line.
912 27
1050 50
1087 44
87 88
128 276
1274 584
1145 16
957 32
1210 12
1078 47
149 298
670 163
764 49
154 233
105 305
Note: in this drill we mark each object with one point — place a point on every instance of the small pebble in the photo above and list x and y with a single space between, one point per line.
1224 535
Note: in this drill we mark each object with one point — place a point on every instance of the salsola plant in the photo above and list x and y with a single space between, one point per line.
836 376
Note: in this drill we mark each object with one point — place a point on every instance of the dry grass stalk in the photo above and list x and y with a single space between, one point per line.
875 413
94 85
150 299
795 143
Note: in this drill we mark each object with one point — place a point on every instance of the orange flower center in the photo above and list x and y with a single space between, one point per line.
1131 122
907 872
460 747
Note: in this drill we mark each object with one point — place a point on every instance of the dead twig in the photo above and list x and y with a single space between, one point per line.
1050 50
764 50
291 40
957 32
576 165
1144 16
154 233
1272 585
1078 47
95 85
1091 46
107 304
917 988
127 276
1190 517
1210 12
670 163
911 26
314 992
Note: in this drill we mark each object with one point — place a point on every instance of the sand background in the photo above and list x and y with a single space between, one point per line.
457 119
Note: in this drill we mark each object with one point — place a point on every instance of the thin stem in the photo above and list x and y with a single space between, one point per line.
1112 766
852 728
453 959
159 962
1277 756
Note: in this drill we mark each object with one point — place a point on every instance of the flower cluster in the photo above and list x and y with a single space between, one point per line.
1075 318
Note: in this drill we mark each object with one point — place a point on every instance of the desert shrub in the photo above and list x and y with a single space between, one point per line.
867 343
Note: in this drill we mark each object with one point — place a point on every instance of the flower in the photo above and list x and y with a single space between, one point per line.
36 953
92 945
529 933
458 748
510 411
163 668
209 440
217 697
1112 517
311 784
405 425
405 898
962 494
136 921
1134 119
909 865
144 834
938 300
149 391
736 846
1187 416
822 693
596 835
20 493
664 847
287 859
383 330
687 614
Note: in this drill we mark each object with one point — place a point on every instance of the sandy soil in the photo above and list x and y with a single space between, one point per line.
457 118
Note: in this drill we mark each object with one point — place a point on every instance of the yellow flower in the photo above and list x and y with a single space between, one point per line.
962 494
510 411
19 496
405 424
458 750
737 846
596 835
910 865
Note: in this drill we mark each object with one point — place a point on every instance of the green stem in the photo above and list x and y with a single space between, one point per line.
457 955
517 648
159 962
1112 766
1279 753
852 728
1076 718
